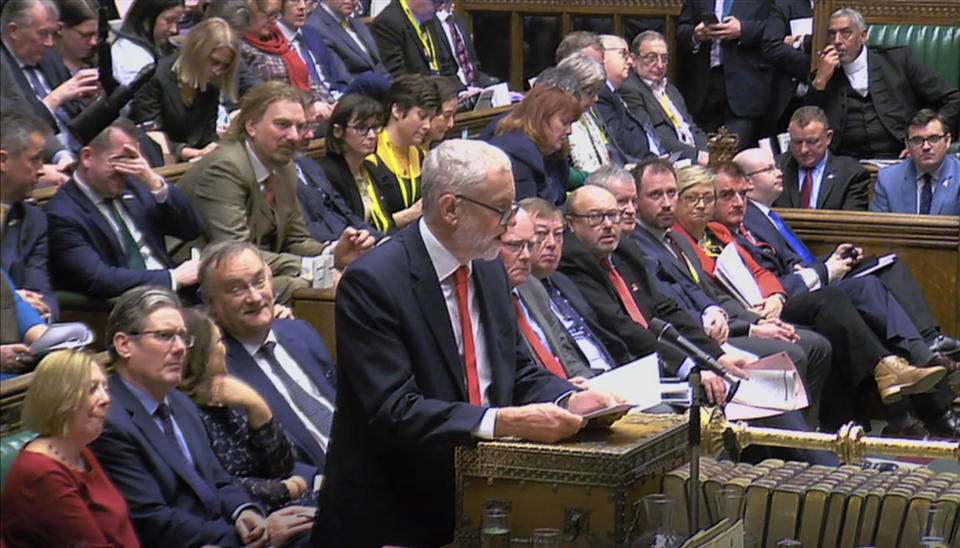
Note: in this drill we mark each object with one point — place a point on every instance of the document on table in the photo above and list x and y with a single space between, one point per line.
637 381
774 387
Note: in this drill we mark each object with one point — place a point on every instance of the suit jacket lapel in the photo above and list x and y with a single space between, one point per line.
791 177
96 219
828 183
307 362
908 188
948 180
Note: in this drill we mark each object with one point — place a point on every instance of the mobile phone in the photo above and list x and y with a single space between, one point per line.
709 18
850 253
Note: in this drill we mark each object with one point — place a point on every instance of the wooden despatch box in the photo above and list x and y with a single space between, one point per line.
588 486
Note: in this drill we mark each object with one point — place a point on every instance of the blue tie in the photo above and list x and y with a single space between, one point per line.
655 147
792 240
207 496
926 195
580 327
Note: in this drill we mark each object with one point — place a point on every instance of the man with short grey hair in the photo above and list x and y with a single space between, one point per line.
425 362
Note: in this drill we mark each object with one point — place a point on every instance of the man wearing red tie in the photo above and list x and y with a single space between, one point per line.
611 274
426 361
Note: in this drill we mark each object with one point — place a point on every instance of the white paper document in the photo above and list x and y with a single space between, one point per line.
801 26
734 274
882 262
62 336
637 381
770 389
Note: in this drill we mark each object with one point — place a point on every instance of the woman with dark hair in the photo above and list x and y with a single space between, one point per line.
534 136
411 104
351 138
77 36
145 36
183 96
448 91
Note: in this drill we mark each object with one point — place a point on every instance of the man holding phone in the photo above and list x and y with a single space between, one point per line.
728 83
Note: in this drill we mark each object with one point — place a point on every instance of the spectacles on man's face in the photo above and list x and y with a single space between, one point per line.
167 336
769 169
693 199
517 246
919 141
505 214
596 218
651 58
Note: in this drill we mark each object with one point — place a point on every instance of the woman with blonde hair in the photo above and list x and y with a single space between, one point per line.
183 96
56 493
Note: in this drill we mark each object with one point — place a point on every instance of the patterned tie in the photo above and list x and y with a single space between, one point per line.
626 298
580 327
319 414
668 236
806 190
130 247
461 51
926 195
466 328
544 355
207 495
790 236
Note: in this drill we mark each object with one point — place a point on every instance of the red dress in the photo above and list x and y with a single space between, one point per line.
47 503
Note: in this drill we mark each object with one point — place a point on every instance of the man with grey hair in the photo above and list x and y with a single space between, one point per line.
590 144
870 101
425 362
630 129
580 41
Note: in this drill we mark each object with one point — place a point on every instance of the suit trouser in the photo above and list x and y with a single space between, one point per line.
900 282
716 112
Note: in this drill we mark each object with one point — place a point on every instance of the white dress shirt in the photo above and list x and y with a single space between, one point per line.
858 73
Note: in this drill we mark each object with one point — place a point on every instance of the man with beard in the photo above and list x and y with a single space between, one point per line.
426 362
246 189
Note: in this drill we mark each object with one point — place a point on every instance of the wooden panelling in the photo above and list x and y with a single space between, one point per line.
316 307
12 392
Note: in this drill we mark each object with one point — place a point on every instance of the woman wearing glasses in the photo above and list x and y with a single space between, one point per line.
534 136
78 33
351 138
56 493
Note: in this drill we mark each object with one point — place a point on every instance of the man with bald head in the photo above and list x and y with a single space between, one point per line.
426 362
631 129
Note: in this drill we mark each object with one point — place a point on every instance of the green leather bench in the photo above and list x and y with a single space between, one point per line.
9 449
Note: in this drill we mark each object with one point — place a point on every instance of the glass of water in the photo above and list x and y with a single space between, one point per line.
495 529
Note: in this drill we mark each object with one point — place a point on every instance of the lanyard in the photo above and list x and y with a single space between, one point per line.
425 40
377 214
408 186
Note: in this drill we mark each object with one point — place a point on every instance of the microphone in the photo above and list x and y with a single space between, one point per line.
106 109
668 334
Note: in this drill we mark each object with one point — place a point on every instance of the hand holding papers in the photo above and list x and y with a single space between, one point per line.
732 272
61 336
774 386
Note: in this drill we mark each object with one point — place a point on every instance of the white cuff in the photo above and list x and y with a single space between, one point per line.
485 429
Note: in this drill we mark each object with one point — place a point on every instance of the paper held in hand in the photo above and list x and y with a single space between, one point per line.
733 273
774 386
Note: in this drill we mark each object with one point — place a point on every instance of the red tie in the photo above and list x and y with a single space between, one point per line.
269 185
543 353
806 189
626 298
466 328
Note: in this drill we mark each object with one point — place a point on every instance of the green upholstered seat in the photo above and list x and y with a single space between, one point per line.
937 47
10 446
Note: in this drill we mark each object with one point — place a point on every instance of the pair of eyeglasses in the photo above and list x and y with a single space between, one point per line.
517 246
167 337
693 199
363 130
621 51
651 58
505 214
769 169
597 218
918 141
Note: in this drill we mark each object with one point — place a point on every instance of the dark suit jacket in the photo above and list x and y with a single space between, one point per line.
87 257
791 65
584 269
333 68
400 48
844 184
338 174
623 125
151 474
781 259
747 76
301 340
899 87
638 95
559 341
354 58
437 30
25 251
533 173
324 210
402 402
160 101
55 73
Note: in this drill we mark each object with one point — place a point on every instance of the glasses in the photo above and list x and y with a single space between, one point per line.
505 214
769 169
620 51
517 246
727 195
544 235
597 218
693 199
363 130
652 58
918 141
167 337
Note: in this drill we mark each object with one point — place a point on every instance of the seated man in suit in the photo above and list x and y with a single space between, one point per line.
647 89
547 341
246 189
782 253
582 41
23 226
323 66
425 361
451 34
875 92
813 177
630 128
154 447
347 37
406 45
926 183
284 360
107 225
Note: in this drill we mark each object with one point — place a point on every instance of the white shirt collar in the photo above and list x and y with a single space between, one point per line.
288 33
859 63
858 74
260 171
91 194
444 262
657 87
252 347
764 208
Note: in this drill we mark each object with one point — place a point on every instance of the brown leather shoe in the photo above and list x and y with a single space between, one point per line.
952 367
895 378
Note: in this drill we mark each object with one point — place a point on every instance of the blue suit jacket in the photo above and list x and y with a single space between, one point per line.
402 401
150 473
781 259
331 65
25 251
85 254
324 209
342 45
896 189
303 343
533 173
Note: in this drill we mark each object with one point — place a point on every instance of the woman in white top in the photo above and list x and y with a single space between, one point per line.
145 36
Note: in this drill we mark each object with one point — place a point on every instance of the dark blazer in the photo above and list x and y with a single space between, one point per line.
437 30
324 210
55 73
87 257
25 251
584 269
338 174
333 68
559 340
151 474
402 402
388 185
637 95
844 184
400 47
747 76
625 126
896 188
355 60
533 173
780 259
159 101
899 87
791 65
615 346
301 340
